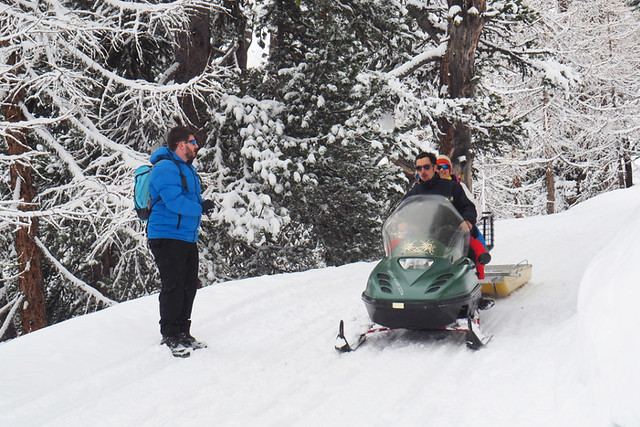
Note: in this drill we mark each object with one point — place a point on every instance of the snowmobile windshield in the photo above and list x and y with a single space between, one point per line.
425 226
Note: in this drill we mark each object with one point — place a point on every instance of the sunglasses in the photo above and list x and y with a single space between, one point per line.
191 141
443 167
425 167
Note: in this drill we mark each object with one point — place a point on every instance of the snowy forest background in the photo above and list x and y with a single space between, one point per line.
307 146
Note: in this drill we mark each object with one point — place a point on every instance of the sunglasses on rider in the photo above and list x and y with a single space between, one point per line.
443 167
191 141
425 167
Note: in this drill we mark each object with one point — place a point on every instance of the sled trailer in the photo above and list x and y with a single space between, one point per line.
502 280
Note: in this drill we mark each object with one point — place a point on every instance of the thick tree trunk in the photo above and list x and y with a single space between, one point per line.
456 75
33 313
192 53
242 34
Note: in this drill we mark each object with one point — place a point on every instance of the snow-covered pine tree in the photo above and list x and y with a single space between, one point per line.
305 133
96 94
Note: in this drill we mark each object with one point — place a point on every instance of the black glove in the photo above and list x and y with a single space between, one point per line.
207 205
484 258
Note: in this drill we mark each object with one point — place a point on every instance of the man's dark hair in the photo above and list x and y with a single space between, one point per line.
431 157
177 135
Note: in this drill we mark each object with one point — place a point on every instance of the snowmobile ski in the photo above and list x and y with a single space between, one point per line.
342 345
475 337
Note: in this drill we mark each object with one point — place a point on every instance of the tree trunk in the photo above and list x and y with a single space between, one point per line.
242 34
456 75
628 176
551 188
192 53
550 178
627 163
517 183
33 313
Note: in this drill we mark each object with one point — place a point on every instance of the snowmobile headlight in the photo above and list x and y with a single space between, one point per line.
415 263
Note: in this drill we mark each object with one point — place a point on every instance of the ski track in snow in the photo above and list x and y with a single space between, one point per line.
271 360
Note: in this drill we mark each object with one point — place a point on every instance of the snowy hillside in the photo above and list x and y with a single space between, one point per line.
564 350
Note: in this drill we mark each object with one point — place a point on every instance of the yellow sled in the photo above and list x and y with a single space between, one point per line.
501 280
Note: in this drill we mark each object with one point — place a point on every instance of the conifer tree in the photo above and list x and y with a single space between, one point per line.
323 117
95 96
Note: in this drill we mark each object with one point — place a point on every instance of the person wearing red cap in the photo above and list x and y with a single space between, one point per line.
444 167
445 170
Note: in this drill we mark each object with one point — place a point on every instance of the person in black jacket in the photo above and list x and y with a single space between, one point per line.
429 182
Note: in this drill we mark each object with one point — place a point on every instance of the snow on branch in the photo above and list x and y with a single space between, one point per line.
46 136
14 304
429 56
10 215
27 124
196 85
23 159
9 305
6 279
83 286
558 74
161 7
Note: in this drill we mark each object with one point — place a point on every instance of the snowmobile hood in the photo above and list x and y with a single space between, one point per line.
390 281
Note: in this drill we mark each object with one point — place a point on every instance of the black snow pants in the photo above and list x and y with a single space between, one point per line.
177 262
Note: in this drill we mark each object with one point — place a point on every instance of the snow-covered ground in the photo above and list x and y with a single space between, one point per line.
565 350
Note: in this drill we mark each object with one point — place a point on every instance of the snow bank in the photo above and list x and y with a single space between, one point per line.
608 311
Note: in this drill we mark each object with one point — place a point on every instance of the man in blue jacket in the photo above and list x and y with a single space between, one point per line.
177 207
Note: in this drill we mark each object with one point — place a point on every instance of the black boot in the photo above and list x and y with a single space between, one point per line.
177 347
188 341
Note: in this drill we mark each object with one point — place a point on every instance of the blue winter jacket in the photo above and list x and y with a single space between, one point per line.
176 210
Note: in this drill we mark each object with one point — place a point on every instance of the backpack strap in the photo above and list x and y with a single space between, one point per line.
183 178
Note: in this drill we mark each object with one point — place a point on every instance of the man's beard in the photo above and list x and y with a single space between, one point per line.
191 155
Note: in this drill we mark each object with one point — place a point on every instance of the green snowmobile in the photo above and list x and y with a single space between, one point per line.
426 279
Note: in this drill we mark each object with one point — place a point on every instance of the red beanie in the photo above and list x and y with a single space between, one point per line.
444 160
